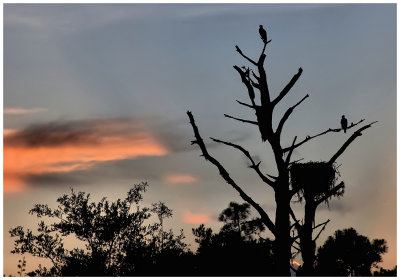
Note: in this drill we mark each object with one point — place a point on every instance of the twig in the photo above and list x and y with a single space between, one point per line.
245 104
245 56
241 120
295 161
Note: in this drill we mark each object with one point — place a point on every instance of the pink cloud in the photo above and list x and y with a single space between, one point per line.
180 178
192 218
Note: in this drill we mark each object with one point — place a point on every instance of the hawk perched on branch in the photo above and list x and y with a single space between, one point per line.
343 122
263 34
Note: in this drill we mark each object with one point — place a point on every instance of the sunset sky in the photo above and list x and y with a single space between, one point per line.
95 98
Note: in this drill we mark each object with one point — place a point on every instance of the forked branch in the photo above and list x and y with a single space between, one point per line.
348 142
308 138
224 174
322 229
255 166
246 82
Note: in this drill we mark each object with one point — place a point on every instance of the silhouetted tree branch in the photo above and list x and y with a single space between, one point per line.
199 141
287 114
322 229
253 165
245 104
296 224
348 142
287 88
308 138
330 193
241 120
245 56
246 81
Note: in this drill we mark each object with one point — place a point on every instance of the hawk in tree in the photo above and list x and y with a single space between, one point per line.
263 34
343 122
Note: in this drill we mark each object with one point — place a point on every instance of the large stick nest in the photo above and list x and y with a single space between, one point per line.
312 179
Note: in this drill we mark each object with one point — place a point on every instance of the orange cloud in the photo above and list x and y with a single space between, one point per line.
180 178
23 111
191 218
8 132
41 150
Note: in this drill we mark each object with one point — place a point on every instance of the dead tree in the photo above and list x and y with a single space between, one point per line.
263 104
318 185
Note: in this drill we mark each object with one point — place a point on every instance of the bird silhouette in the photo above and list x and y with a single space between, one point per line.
263 33
343 122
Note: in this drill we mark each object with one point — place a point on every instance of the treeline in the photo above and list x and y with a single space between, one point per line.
122 239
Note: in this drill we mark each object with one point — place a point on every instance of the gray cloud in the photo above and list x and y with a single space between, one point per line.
91 131
53 134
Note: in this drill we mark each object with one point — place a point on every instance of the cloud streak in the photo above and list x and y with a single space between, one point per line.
61 147
180 179
23 111
192 218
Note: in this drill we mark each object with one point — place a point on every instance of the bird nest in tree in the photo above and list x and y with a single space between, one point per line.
312 179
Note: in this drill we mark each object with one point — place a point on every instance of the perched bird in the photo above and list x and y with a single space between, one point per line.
263 34
343 122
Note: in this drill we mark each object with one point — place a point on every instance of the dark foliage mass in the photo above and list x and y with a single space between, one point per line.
386 272
237 249
118 237
120 240
348 253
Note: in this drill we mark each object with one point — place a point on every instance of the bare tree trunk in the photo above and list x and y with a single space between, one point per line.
282 237
307 244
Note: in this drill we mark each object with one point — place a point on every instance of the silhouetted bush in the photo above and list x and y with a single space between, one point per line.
348 253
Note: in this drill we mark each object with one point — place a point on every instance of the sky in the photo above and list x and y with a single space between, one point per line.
95 98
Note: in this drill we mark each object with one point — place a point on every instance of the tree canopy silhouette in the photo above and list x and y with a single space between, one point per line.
348 253
120 240
118 237
238 249
263 103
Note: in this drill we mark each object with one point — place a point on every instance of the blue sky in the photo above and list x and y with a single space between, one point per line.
128 73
